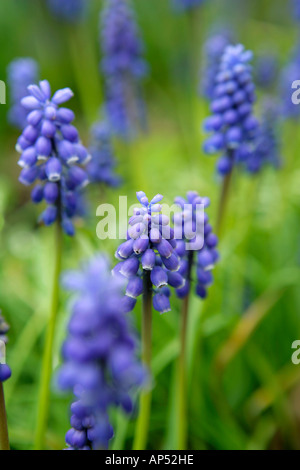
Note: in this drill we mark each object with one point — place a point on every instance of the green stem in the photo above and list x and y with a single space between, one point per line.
182 424
44 396
142 427
223 201
4 441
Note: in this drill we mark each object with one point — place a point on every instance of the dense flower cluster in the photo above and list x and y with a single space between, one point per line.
150 248
101 167
196 231
68 10
51 153
233 125
100 364
20 73
266 149
184 5
213 51
289 74
123 66
5 371
266 70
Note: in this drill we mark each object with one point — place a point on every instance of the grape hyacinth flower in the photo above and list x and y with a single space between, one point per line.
289 74
124 68
68 10
185 5
5 371
52 154
101 167
232 123
206 255
149 252
266 150
21 73
100 363
213 51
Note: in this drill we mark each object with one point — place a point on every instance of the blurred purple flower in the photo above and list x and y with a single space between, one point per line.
100 364
21 72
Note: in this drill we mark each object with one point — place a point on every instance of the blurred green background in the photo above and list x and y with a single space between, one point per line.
244 391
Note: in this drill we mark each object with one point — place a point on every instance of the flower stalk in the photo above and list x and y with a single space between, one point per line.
4 440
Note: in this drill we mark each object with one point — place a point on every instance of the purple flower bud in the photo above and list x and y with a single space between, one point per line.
148 260
53 169
171 263
48 129
43 148
175 279
34 118
51 192
29 102
140 245
77 178
30 133
61 96
135 287
126 249
5 372
161 303
129 267
28 158
65 115
164 248
49 215
28 175
159 277
69 132
37 194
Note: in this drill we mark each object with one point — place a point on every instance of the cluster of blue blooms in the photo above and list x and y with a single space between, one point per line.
233 125
150 248
21 73
68 10
185 5
5 371
213 50
195 225
51 152
100 364
123 66
102 164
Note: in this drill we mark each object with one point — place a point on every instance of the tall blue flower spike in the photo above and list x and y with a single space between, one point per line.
102 165
195 232
100 364
21 73
232 124
53 156
124 68
5 371
150 247
68 10
213 50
